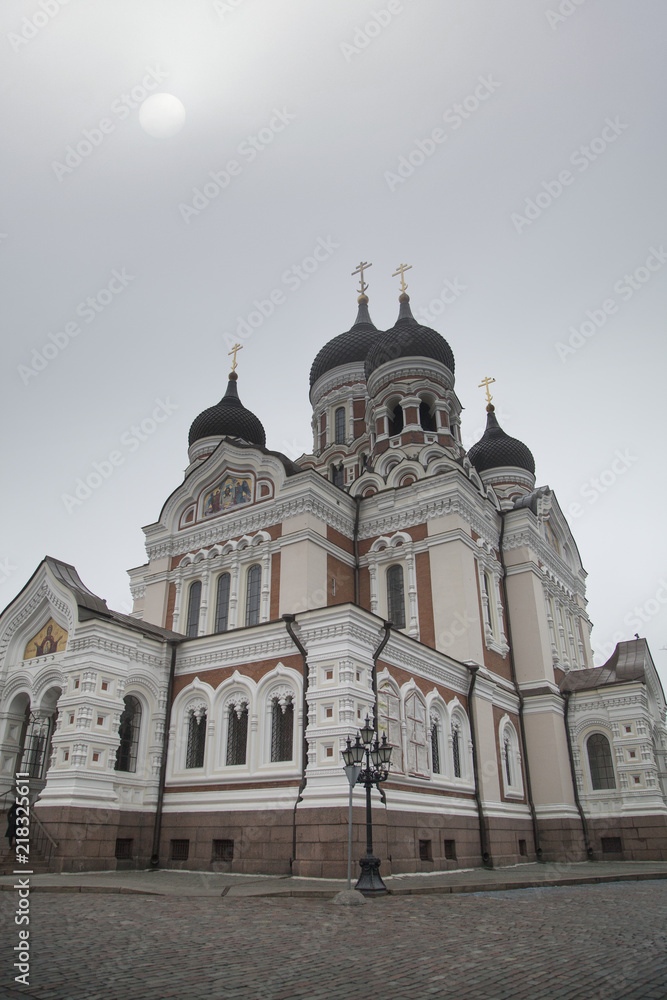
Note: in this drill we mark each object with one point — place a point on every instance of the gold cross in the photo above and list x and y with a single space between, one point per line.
363 285
401 269
234 350
484 384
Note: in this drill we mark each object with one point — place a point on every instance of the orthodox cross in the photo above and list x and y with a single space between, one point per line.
484 384
401 269
234 350
363 285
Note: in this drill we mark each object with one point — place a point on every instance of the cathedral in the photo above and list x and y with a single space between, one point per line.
389 574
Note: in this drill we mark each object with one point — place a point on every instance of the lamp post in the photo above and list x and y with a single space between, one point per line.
373 758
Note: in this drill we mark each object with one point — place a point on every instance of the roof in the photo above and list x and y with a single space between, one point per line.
228 418
408 339
628 662
348 347
497 450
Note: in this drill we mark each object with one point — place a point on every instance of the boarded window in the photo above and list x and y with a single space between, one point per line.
415 717
389 723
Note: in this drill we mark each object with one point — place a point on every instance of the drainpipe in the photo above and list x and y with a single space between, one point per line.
584 825
155 854
289 620
524 748
355 542
387 626
483 838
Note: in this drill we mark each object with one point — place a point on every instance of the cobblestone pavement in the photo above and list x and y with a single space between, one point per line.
592 941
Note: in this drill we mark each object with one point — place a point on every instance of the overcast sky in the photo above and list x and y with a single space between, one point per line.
513 151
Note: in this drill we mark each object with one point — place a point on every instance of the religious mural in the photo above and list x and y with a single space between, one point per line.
231 492
51 638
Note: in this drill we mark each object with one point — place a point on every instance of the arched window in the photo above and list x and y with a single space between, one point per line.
426 418
282 728
435 747
507 754
338 475
510 759
339 424
396 596
253 594
196 738
486 602
600 762
194 601
237 734
128 731
389 722
456 749
222 603
396 420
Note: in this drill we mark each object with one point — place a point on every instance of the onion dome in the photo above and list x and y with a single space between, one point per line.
408 339
228 418
347 347
496 449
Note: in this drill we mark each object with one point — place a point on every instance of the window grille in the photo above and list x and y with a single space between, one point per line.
426 418
128 731
450 850
223 850
222 603
456 750
237 735
339 421
194 601
600 762
435 748
253 594
282 725
396 596
425 852
507 745
196 739
124 848
180 849
35 746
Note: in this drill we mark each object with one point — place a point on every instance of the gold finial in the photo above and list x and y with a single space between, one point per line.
401 269
484 384
363 285
234 350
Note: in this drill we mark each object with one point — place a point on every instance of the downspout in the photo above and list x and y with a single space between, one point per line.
524 748
387 626
355 543
483 838
289 619
584 824
157 828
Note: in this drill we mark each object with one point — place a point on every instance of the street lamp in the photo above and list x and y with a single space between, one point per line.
367 763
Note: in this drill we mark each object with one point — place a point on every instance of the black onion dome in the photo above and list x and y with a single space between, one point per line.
408 339
228 418
496 449
350 346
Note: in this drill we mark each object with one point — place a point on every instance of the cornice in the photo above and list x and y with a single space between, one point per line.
427 510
